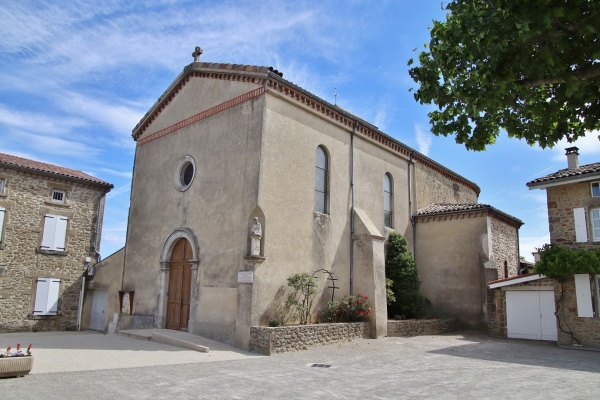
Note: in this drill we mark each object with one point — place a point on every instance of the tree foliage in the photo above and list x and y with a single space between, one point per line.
401 269
559 262
529 67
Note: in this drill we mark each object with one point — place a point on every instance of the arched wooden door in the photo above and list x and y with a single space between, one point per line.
180 286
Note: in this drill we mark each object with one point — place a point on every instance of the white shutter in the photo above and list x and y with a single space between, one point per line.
55 232
580 225
49 229
2 213
61 233
583 292
52 304
46 296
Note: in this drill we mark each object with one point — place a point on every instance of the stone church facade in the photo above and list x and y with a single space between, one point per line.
227 144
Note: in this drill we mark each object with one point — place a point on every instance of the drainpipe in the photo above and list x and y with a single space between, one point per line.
352 208
412 218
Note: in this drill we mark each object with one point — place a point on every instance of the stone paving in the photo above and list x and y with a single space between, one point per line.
458 366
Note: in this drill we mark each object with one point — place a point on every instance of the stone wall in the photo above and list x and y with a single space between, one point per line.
436 186
561 202
422 327
584 330
505 247
272 340
27 199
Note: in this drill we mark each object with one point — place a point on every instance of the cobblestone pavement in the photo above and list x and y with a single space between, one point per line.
460 366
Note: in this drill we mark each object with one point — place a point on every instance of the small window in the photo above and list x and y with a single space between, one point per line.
321 183
46 296
55 233
58 196
595 217
185 173
2 184
595 189
388 215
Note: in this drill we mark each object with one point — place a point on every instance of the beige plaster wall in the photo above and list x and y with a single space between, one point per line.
451 252
27 200
108 278
215 208
300 240
188 103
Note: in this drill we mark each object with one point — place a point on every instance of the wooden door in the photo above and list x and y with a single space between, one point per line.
180 286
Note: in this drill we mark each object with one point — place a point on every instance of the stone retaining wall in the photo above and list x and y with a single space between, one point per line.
422 327
268 340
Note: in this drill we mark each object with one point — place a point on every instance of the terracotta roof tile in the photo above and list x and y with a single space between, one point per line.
566 174
7 160
444 208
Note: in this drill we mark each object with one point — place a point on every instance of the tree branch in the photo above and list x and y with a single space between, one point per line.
583 74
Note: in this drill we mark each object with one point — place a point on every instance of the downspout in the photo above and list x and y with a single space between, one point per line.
412 218
352 208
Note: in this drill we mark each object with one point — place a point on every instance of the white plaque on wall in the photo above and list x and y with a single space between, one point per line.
245 276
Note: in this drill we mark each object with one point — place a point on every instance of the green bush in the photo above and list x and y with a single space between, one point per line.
401 268
305 288
559 262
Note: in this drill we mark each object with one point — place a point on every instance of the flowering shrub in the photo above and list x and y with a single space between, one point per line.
17 353
351 308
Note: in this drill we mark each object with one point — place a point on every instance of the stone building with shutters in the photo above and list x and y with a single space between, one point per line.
50 229
533 306
230 146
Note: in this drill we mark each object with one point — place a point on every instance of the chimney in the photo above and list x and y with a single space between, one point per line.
572 157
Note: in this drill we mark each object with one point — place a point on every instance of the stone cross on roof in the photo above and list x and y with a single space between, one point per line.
196 54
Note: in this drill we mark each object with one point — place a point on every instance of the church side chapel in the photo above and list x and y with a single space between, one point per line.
242 179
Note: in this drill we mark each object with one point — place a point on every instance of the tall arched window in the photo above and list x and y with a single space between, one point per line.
388 203
321 182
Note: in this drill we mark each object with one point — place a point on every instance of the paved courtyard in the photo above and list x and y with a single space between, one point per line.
465 366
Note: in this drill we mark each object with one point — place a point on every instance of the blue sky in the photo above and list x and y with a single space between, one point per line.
76 77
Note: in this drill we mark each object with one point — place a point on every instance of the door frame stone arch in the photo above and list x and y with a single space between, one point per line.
163 282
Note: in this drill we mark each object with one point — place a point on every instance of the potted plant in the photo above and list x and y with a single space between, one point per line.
15 363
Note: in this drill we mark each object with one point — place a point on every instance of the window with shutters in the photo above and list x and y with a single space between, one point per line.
55 233
581 234
595 222
46 296
2 184
586 293
321 180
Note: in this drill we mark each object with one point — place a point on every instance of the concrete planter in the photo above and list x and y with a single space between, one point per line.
15 366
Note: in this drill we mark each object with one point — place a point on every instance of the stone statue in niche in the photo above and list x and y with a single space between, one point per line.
255 236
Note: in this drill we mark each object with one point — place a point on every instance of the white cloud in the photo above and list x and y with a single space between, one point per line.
589 147
118 191
53 145
39 122
424 138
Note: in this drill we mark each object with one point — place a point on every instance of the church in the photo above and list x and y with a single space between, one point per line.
242 179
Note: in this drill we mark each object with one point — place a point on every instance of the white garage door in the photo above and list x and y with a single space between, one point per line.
530 315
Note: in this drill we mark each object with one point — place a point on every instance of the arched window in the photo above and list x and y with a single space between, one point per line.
321 181
388 203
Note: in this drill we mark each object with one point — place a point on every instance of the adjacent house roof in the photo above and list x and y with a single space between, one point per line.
442 208
272 80
582 173
40 168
